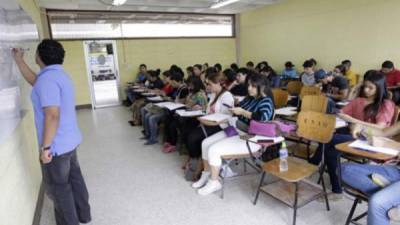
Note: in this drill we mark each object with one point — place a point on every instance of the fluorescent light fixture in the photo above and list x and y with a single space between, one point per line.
222 3
118 2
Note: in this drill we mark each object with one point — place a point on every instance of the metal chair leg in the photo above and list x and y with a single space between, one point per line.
353 209
259 188
325 194
223 179
295 202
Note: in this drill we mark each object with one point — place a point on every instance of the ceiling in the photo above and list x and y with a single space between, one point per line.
192 6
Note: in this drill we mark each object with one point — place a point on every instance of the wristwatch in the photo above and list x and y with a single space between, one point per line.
44 148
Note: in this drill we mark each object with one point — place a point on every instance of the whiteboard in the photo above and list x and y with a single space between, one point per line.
16 30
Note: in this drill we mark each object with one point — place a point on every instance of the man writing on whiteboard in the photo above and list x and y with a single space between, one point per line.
53 101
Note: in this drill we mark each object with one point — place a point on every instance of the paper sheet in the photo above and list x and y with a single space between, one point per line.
185 113
275 139
340 123
365 146
216 117
155 99
286 111
170 105
342 103
148 94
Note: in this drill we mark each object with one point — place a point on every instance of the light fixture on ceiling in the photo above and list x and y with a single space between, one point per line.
222 3
118 2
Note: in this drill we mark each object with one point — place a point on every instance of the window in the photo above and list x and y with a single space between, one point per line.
103 25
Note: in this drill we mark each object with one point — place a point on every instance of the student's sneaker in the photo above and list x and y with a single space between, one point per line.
170 149
166 144
211 186
202 181
394 214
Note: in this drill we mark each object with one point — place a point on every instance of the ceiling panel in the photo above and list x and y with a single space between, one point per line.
195 6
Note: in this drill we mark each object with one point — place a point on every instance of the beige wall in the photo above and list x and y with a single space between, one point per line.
155 53
365 31
20 175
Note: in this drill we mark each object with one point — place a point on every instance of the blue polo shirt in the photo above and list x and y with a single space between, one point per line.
53 87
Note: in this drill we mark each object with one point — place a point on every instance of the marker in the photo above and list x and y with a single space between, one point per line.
22 49
227 106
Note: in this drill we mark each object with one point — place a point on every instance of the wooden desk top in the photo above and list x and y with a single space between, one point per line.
344 147
298 169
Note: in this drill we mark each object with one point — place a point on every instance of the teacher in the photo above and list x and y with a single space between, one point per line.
53 101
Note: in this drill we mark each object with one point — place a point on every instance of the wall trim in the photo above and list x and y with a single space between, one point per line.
39 206
84 106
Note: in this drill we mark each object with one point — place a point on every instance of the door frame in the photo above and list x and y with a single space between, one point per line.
89 75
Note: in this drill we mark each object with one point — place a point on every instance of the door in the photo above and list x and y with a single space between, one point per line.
102 69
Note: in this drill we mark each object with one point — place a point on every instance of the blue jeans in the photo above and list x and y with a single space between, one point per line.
381 200
332 157
130 94
150 123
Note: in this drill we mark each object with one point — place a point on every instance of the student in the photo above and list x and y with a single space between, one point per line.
196 100
383 202
154 82
142 74
271 75
218 67
307 77
189 71
261 65
250 65
289 72
197 70
58 133
335 85
392 74
151 118
220 102
234 67
229 79
350 75
372 109
259 106
239 87
318 73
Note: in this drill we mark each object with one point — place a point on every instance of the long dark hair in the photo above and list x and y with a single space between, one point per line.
216 78
262 84
378 79
196 83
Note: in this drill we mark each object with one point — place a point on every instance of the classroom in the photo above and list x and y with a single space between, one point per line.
189 112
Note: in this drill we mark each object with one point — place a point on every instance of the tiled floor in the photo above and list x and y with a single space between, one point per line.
130 183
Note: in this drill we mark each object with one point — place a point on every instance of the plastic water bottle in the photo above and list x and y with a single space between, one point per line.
283 154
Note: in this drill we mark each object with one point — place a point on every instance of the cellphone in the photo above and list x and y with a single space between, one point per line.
227 106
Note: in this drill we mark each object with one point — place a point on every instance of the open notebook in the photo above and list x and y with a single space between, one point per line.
155 98
286 111
365 146
216 117
185 113
170 105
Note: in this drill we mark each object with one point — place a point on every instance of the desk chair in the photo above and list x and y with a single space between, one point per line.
315 103
314 126
280 97
294 87
309 90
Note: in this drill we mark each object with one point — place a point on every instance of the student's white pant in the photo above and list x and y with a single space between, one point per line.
218 145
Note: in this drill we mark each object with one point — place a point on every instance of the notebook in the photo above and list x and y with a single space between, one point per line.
170 105
184 113
216 117
365 146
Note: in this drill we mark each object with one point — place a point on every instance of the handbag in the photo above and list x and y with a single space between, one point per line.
230 131
270 129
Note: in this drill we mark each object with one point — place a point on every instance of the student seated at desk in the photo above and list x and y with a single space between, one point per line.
259 106
272 76
308 77
196 100
154 83
383 201
289 72
349 74
371 109
141 77
151 116
238 88
220 101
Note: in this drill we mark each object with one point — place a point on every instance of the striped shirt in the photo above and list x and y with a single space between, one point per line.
262 109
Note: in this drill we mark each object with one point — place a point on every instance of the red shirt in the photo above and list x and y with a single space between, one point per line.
356 107
393 78
167 89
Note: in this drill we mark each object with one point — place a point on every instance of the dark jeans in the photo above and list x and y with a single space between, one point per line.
332 157
197 136
65 185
